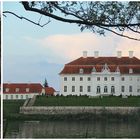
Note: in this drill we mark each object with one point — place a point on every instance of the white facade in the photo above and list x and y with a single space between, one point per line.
18 96
94 84
104 82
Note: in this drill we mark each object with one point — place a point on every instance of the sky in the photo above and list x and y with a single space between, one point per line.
32 53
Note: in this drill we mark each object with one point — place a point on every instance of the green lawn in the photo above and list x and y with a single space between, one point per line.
85 101
12 106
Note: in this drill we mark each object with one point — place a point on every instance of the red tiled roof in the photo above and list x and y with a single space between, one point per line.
33 88
49 90
87 64
103 60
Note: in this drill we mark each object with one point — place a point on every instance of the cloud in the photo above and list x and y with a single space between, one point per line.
63 48
70 47
126 45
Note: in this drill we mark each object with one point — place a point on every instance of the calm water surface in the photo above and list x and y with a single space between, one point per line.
72 129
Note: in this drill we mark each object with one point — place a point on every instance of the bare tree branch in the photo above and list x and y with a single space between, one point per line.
122 35
21 17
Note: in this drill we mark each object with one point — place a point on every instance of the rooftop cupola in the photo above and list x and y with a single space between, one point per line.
84 54
96 54
131 54
119 54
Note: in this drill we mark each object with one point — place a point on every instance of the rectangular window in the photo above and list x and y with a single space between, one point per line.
27 89
105 78
16 96
17 89
98 78
112 78
11 96
138 90
73 78
65 78
81 88
122 88
21 96
88 88
6 96
122 78
26 96
65 88
7 89
130 88
73 88
81 78
89 79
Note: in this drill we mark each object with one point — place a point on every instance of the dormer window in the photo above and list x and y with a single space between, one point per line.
130 70
7 89
27 89
17 90
81 71
93 69
117 69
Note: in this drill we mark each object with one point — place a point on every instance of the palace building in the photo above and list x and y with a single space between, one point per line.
20 91
95 76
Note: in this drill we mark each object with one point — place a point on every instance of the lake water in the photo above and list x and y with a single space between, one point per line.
72 129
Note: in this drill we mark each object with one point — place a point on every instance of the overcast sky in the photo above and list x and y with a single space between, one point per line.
32 53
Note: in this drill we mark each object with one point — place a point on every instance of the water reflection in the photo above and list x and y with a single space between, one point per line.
71 129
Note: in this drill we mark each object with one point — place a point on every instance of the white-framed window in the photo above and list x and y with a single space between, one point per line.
98 78
81 88
11 96
98 89
26 96
122 88
73 88
17 89
130 89
16 96
89 79
7 89
112 89
81 78
21 96
130 70
73 78
65 88
123 79
27 89
138 89
6 96
88 88
105 89
105 78
65 78
112 78
81 71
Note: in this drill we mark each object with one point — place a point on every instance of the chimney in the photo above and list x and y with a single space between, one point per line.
84 54
130 54
119 54
96 54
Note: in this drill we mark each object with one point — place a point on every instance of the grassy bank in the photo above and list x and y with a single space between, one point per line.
11 108
86 101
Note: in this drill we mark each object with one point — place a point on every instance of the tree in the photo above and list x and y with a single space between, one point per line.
45 83
96 16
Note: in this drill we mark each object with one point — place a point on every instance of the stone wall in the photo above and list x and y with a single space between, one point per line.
77 110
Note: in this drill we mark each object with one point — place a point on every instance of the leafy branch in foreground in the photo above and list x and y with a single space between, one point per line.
97 16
